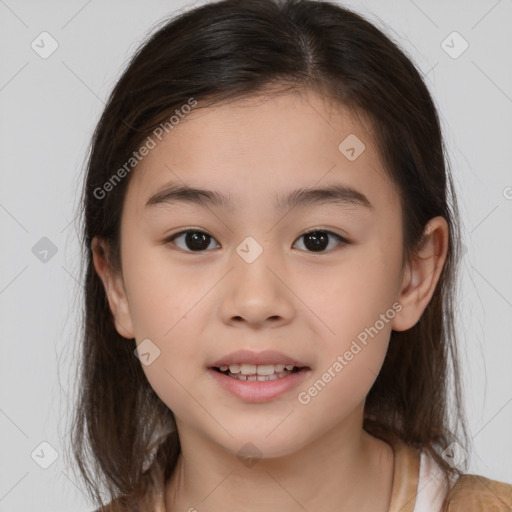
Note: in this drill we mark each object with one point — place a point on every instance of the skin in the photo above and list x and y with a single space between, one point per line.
199 306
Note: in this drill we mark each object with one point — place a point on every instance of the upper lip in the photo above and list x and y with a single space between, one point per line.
251 357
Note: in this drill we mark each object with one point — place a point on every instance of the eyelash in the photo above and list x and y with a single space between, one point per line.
343 241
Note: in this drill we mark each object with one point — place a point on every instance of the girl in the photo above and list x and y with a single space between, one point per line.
271 241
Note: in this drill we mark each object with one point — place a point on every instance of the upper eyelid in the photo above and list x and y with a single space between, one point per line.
342 238
200 230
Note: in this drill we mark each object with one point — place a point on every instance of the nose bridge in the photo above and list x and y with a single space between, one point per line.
253 260
254 292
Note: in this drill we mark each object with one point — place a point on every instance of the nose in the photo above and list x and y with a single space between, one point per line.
256 294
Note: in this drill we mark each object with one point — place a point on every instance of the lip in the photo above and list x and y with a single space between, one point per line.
259 391
251 357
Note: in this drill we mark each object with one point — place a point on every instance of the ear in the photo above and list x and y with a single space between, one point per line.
421 276
114 289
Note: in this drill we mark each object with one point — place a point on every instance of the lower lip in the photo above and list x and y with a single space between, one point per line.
259 391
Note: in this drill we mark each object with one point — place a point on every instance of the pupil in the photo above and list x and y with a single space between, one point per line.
319 240
197 241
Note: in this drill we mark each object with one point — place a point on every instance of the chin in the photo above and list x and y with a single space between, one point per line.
259 444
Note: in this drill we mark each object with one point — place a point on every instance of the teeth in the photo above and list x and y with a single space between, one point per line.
247 369
265 369
234 368
252 369
259 378
253 372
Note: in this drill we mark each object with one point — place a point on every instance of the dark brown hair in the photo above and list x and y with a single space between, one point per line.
230 50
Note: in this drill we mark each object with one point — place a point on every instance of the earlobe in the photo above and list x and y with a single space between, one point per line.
114 289
421 275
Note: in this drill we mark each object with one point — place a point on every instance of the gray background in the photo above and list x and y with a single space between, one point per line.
49 108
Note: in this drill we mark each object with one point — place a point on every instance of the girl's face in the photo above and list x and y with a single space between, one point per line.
248 277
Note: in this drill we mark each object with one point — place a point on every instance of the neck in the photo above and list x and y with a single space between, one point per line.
336 472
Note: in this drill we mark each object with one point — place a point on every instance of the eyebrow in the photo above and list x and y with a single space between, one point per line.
338 194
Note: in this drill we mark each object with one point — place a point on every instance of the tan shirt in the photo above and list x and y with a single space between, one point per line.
419 486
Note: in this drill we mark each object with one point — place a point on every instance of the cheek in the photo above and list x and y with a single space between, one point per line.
178 361
355 306
161 293
169 379
164 303
351 296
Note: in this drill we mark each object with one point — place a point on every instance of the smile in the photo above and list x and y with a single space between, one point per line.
260 372
252 387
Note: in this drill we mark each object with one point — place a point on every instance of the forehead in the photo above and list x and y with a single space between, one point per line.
258 148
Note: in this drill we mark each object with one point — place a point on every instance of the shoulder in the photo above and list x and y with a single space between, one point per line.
475 493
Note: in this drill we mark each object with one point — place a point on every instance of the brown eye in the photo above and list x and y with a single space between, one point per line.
193 240
318 240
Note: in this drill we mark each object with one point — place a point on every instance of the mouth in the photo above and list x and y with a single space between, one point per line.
260 372
251 382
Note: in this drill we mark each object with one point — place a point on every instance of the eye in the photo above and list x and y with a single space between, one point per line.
318 239
194 240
